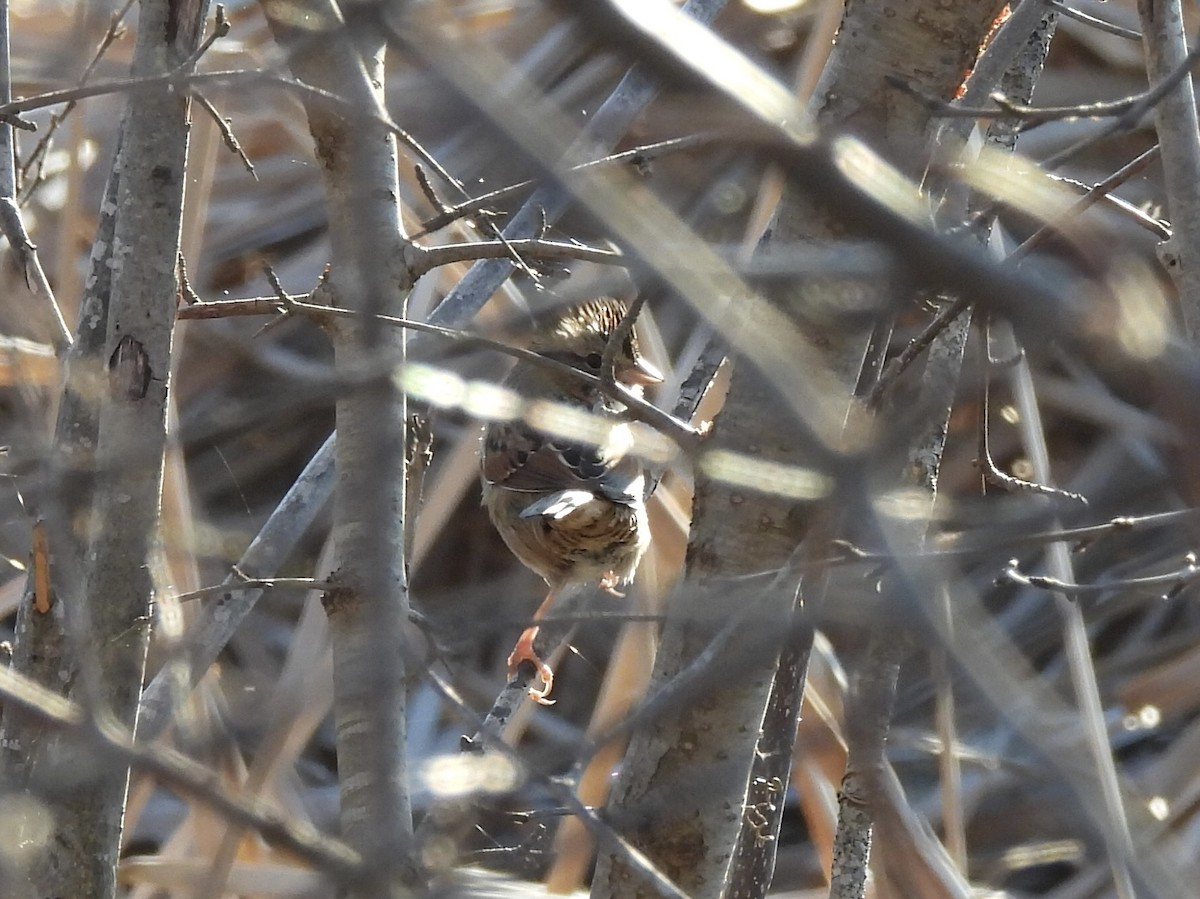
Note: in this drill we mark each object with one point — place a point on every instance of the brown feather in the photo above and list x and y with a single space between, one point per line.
598 540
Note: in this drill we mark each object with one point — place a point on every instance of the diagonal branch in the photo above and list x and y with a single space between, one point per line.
180 772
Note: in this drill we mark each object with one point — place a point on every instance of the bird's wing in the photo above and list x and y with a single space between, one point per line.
517 457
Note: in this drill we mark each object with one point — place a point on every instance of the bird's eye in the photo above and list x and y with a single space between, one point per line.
593 360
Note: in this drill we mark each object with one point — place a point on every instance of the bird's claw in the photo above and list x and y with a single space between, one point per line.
523 652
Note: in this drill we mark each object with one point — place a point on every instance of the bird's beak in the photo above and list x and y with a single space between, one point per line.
642 372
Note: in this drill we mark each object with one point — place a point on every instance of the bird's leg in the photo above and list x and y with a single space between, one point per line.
524 652
608 584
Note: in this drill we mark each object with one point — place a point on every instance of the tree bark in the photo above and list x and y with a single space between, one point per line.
368 611
1178 127
90 645
738 535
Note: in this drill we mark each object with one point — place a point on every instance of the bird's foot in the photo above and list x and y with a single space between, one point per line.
608 584
524 652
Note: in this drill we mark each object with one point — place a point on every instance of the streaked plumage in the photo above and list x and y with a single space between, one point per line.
571 512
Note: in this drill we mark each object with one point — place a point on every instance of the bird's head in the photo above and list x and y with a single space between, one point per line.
579 335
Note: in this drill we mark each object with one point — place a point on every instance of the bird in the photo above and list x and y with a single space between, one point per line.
571 512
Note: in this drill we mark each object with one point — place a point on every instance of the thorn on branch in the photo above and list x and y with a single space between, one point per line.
227 136
220 29
675 429
186 293
638 157
1006 362
11 118
288 305
984 461
997 478
427 189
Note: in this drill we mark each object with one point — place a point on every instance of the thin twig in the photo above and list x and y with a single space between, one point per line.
1077 649
425 259
561 792
948 313
225 126
213 309
47 319
1125 113
180 79
637 156
185 775
681 433
286 307
38 155
431 194
1008 109
259 583
987 465
126 85
945 316
1099 24
1148 101
1133 213
1175 581
220 30
1083 536
957 546
621 333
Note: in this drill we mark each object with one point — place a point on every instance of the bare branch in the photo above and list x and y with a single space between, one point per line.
37 156
430 258
47 318
1172 581
678 431
1099 24
183 774
293 516
226 128
636 156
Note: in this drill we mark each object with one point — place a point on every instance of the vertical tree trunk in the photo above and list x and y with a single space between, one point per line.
102 600
368 611
737 535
